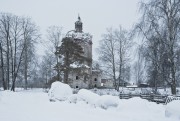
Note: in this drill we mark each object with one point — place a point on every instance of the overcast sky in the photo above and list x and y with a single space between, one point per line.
96 15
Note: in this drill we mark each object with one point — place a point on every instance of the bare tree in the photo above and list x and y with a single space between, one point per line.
124 44
47 67
54 35
18 35
107 54
139 66
30 36
2 68
160 25
5 22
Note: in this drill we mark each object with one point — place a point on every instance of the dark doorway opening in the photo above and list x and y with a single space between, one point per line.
95 85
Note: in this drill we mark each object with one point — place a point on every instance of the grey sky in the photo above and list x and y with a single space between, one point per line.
96 15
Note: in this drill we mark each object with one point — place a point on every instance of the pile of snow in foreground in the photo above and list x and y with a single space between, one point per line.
87 96
107 101
59 91
62 92
35 106
173 109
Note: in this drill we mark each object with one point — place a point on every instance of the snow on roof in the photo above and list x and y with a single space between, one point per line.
80 35
75 65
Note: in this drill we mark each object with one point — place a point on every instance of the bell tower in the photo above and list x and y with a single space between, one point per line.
78 25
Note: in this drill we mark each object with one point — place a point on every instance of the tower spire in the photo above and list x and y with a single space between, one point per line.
79 19
78 25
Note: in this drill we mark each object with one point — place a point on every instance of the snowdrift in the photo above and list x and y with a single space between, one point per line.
59 91
107 101
173 109
63 92
87 96
135 106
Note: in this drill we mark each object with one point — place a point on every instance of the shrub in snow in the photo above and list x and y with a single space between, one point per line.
59 91
173 109
107 101
87 96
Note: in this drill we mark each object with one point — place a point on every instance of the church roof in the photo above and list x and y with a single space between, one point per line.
80 36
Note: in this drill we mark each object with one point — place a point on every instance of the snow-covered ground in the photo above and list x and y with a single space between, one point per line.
34 105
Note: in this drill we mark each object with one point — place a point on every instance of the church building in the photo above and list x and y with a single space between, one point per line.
83 75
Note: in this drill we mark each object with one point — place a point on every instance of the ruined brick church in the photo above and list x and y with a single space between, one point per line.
83 75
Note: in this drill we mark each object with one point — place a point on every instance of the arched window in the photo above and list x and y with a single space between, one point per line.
95 79
77 87
77 77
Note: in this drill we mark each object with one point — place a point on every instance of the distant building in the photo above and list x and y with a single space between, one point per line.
143 85
122 83
107 83
82 75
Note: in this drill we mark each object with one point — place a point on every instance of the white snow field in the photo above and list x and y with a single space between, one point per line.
35 105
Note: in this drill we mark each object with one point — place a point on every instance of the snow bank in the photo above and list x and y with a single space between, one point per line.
87 96
133 103
62 92
173 109
107 101
91 98
59 91
137 104
34 106
74 98
112 92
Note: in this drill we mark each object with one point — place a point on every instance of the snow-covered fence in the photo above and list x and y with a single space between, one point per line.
171 98
150 97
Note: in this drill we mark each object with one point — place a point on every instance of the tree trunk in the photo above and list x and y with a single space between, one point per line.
7 57
2 69
25 65
66 76
120 64
173 85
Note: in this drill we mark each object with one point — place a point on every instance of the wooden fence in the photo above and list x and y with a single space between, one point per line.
150 97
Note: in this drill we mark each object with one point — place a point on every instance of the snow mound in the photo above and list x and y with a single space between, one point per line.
59 91
173 109
94 99
107 101
87 96
137 104
74 98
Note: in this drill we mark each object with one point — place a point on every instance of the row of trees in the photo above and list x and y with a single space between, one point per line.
17 38
158 54
19 62
160 27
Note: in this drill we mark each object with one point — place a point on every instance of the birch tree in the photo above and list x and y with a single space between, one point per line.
160 23
124 44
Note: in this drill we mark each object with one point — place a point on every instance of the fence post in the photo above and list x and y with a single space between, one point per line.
151 97
120 95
